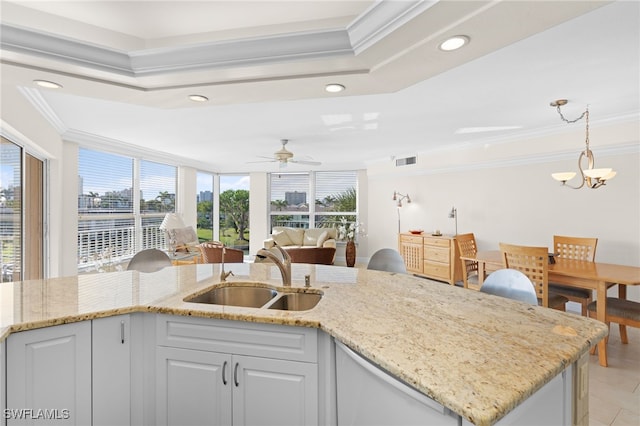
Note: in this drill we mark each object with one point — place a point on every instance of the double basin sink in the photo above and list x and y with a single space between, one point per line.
249 295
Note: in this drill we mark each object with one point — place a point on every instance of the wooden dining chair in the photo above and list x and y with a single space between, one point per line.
621 311
575 248
467 248
534 263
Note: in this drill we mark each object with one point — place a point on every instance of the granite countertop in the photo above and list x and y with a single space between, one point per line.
476 354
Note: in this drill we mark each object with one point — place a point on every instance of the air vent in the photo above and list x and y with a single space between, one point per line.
405 161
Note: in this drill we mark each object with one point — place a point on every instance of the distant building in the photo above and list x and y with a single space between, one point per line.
295 198
205 196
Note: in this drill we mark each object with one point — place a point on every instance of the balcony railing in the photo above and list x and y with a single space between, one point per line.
104 249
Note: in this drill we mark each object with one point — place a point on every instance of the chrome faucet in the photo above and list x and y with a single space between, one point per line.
283 265
223 274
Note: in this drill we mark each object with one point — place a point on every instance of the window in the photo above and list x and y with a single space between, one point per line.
118 216
314 199
204 203
234 211
10 210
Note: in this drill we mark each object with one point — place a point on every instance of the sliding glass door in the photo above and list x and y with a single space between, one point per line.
21 214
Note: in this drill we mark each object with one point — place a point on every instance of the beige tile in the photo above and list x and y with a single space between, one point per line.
614 391
626 418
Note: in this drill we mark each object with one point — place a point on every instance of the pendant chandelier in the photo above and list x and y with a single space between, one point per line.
592 178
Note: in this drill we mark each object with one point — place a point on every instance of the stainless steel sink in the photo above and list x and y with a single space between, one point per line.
296 301
249 297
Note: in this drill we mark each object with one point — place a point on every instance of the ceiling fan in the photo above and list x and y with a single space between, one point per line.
284 156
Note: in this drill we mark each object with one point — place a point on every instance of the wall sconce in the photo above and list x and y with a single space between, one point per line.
594 178
453 214
399 197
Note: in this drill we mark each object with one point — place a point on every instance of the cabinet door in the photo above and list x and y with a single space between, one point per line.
192 387
49 379
111 371
411 249
274 392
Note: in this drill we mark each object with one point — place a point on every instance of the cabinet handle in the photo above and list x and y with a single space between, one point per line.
224 373
122 332
235 374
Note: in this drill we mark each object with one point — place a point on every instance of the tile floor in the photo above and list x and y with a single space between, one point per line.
614 391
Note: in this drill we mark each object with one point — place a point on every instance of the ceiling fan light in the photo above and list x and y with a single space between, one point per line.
597 173
563 176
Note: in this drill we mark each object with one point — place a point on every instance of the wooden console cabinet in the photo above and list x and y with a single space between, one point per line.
430 256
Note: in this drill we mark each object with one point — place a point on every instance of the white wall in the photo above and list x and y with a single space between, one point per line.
515 200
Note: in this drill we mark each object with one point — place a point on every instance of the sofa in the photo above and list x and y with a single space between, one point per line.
313 245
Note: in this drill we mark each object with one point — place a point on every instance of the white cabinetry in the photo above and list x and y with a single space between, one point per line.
49 375
368 395
111 351
78 373
227 372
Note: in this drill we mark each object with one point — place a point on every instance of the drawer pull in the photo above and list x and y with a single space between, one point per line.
235 374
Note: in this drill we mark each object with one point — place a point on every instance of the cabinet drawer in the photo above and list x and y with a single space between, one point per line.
437 254
411 239
436 270
440 242
238 337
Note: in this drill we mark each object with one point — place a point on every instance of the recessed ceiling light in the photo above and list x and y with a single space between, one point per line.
334 88
453 43
198 98
48 84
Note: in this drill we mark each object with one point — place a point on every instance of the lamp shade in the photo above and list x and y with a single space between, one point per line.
563 176
597 173
171 221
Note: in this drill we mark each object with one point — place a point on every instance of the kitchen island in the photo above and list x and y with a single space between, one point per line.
478 355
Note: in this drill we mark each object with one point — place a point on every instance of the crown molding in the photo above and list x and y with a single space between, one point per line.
39 103
381 19
366 30
50 46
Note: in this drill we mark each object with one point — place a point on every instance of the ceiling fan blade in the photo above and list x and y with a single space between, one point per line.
263 161
309 163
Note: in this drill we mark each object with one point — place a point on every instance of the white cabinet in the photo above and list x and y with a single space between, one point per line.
274 392
78 373
111 351
229 372
368 395
193 387
49 375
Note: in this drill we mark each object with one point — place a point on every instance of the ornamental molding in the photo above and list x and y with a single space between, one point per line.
365 31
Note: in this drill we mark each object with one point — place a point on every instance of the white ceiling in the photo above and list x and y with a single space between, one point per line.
127 68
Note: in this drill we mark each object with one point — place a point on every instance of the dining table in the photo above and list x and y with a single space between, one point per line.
596 276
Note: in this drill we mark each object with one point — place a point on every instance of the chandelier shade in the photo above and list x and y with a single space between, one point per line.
590 177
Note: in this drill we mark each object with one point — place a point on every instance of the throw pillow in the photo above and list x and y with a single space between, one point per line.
322 238
282 239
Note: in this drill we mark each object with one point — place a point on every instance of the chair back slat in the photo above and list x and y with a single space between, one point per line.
531 261
575 248
467 247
